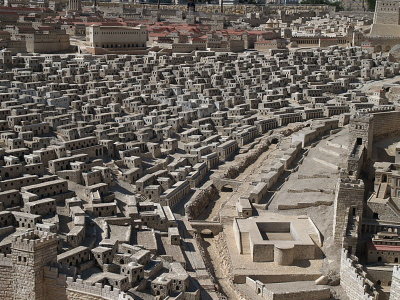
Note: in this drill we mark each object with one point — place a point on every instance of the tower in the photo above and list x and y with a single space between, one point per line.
386 18
30 252
348 208
361 131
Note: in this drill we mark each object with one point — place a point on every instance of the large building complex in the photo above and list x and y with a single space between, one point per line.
116 38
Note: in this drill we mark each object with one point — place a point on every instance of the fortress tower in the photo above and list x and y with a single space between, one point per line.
361 131
30 252
348 208
386 18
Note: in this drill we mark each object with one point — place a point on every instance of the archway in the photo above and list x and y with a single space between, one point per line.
207 233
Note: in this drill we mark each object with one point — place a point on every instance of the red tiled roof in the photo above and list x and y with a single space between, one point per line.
157 34
384 247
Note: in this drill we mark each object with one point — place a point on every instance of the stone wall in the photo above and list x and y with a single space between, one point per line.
6 287
395 289
55 284
382 274
353 279
349 197
200 199
241 162
214 8
385 124
80 290
387 14
312 294
75 295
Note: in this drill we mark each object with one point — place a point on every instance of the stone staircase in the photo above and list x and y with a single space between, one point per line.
328 155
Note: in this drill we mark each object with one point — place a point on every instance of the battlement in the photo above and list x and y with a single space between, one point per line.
354 280
351 183
5 260
376 109
104 291
33 240
361 117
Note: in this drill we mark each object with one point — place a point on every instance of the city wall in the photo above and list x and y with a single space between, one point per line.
353 279
6 286
385 124
58 286
214 8
79 290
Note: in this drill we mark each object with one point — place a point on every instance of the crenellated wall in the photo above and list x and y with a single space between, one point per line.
353 279
58 286
80 290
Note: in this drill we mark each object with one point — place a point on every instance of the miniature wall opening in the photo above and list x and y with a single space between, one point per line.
274 141
384 178
275 231
227 189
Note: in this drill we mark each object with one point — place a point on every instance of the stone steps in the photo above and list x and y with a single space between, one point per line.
326 159
330 151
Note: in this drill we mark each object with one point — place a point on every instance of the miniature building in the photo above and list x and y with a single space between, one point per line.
272 237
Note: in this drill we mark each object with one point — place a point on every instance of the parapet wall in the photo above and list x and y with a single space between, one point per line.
33 240
80 290
353 279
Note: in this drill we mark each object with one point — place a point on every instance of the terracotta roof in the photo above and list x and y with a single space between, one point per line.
384 247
